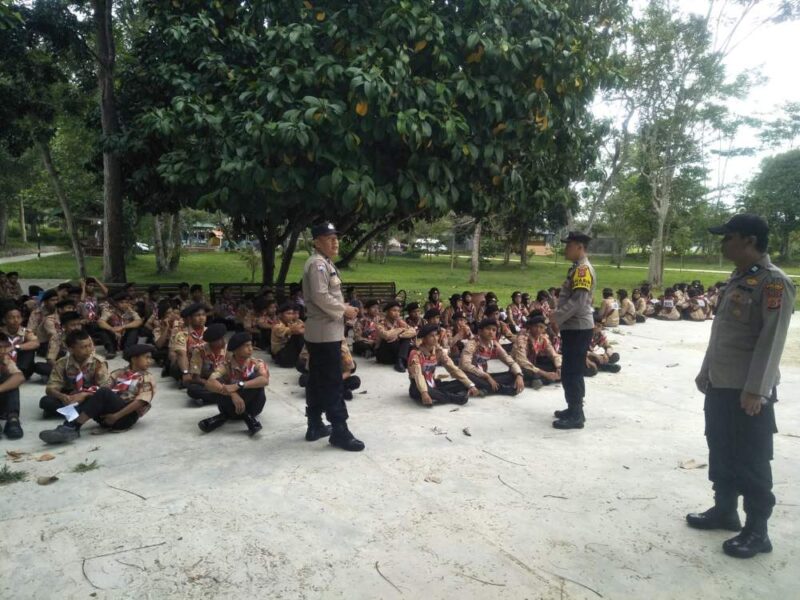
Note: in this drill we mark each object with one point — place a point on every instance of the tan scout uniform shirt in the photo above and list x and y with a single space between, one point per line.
322 290
575 299
422 368
132 385
68 377
475 357
749 331
527 348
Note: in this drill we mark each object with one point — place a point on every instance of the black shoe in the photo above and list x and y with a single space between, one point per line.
399 367
574 420
747 544
461 399
342 438
61 434
347 394
368 354
562 414
589 371
612 368
199 401
210 424
317 430
13 429
111 355
253 424
536 384
352 383
715 518
613 359
303 380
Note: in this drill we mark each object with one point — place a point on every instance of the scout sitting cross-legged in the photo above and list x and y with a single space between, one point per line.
238 386
535 354
24 342
422 363
119 406
287 336
76 376
476 356
11 378
203 362
56 347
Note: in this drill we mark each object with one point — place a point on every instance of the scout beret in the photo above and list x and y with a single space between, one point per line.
69 316
459 315
49 294
370 303
287 306
491 309
455 297
535 320
412 306
323 229
214 332
64 303
577 236
12 274
137 350
427 330
390 305
487 323
192 309
153 289
120 296
238 339
432 312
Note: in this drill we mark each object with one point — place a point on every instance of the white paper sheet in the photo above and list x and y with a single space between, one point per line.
69 412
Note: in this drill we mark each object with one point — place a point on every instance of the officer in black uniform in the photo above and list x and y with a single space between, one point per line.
326 313
739 378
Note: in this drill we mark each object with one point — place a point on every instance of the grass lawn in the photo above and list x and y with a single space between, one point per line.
415 276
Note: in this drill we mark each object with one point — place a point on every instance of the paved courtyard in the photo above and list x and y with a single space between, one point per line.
516 510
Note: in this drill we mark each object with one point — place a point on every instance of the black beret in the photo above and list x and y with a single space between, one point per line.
459 315
64 303
371 303
7 307
238 339
192 309
137 350
390 305
412 306
427 330
455 297
286 306
68 317
153 289
119 296
49 294
214 332
487 323
12 274
535 320
432 312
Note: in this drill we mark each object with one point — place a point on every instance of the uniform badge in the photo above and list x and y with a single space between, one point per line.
774 295
751 281
582 278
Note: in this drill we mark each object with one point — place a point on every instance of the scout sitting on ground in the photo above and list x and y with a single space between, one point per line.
203 362
11 378
609 309
56 347
188 334
287 336
668 310
627 311
600 356
534 353
118 406
414 318
365 332
697 308
422 363
396 337
24 342
640 303
238 386
476 356
76 376
121 323
37 318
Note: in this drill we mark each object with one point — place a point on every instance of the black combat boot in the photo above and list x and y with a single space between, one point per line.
400 366
563 414
316 428
715 517
342 438
210 424
574 420
751 541
253 424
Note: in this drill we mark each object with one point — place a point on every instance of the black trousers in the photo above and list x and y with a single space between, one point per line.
361 348
43 368
445 392
50 405
254 401
198 391
109 340
574 346
25 362
104 402
739 452
230 324
324 392
506 381
9 401
287 356
388 353
264 338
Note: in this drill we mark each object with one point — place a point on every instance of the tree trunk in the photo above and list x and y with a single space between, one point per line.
786 246
476 253
3 223
345 261
175 244
288 253
507 252
523 247
267 242
22 231
655 271
77 250
113 227
158 243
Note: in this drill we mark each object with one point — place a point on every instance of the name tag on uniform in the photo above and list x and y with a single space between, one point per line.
614 306
669 304
701 303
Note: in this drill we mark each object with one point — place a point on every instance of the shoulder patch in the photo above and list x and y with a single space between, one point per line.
582 278
774 295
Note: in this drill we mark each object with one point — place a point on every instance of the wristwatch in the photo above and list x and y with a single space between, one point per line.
241 385
185 372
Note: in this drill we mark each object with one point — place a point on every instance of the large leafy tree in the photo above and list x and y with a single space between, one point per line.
369 113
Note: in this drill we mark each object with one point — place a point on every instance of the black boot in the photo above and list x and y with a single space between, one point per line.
611 368
210 424
613 359
316 428
303 380
342 438
715 518
253 424
400 366
563 414
574 420
751 541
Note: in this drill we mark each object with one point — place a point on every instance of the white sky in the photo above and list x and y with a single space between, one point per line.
773 48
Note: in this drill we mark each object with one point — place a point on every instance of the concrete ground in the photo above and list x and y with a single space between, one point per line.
517 510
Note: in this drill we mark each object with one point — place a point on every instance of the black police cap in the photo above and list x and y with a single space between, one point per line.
743 224
137 350
577 236
214 332
239 339
323 229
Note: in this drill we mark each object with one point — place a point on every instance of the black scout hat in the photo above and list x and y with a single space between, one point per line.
137 350
238 339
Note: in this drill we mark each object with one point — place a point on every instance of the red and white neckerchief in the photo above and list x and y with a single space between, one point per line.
19 338
538 346
127 382
483 355
428 365
90 306
246 370
80 382
195 338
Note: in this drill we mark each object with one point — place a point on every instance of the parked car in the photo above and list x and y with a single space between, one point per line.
142 247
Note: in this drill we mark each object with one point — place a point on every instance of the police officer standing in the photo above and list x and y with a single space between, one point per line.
573 317
738 377
326 311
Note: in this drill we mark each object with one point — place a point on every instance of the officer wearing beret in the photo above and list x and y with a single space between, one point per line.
326 312
739 378
573 318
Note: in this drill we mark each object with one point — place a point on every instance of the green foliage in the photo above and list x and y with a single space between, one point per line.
85 466
8 476
250 257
